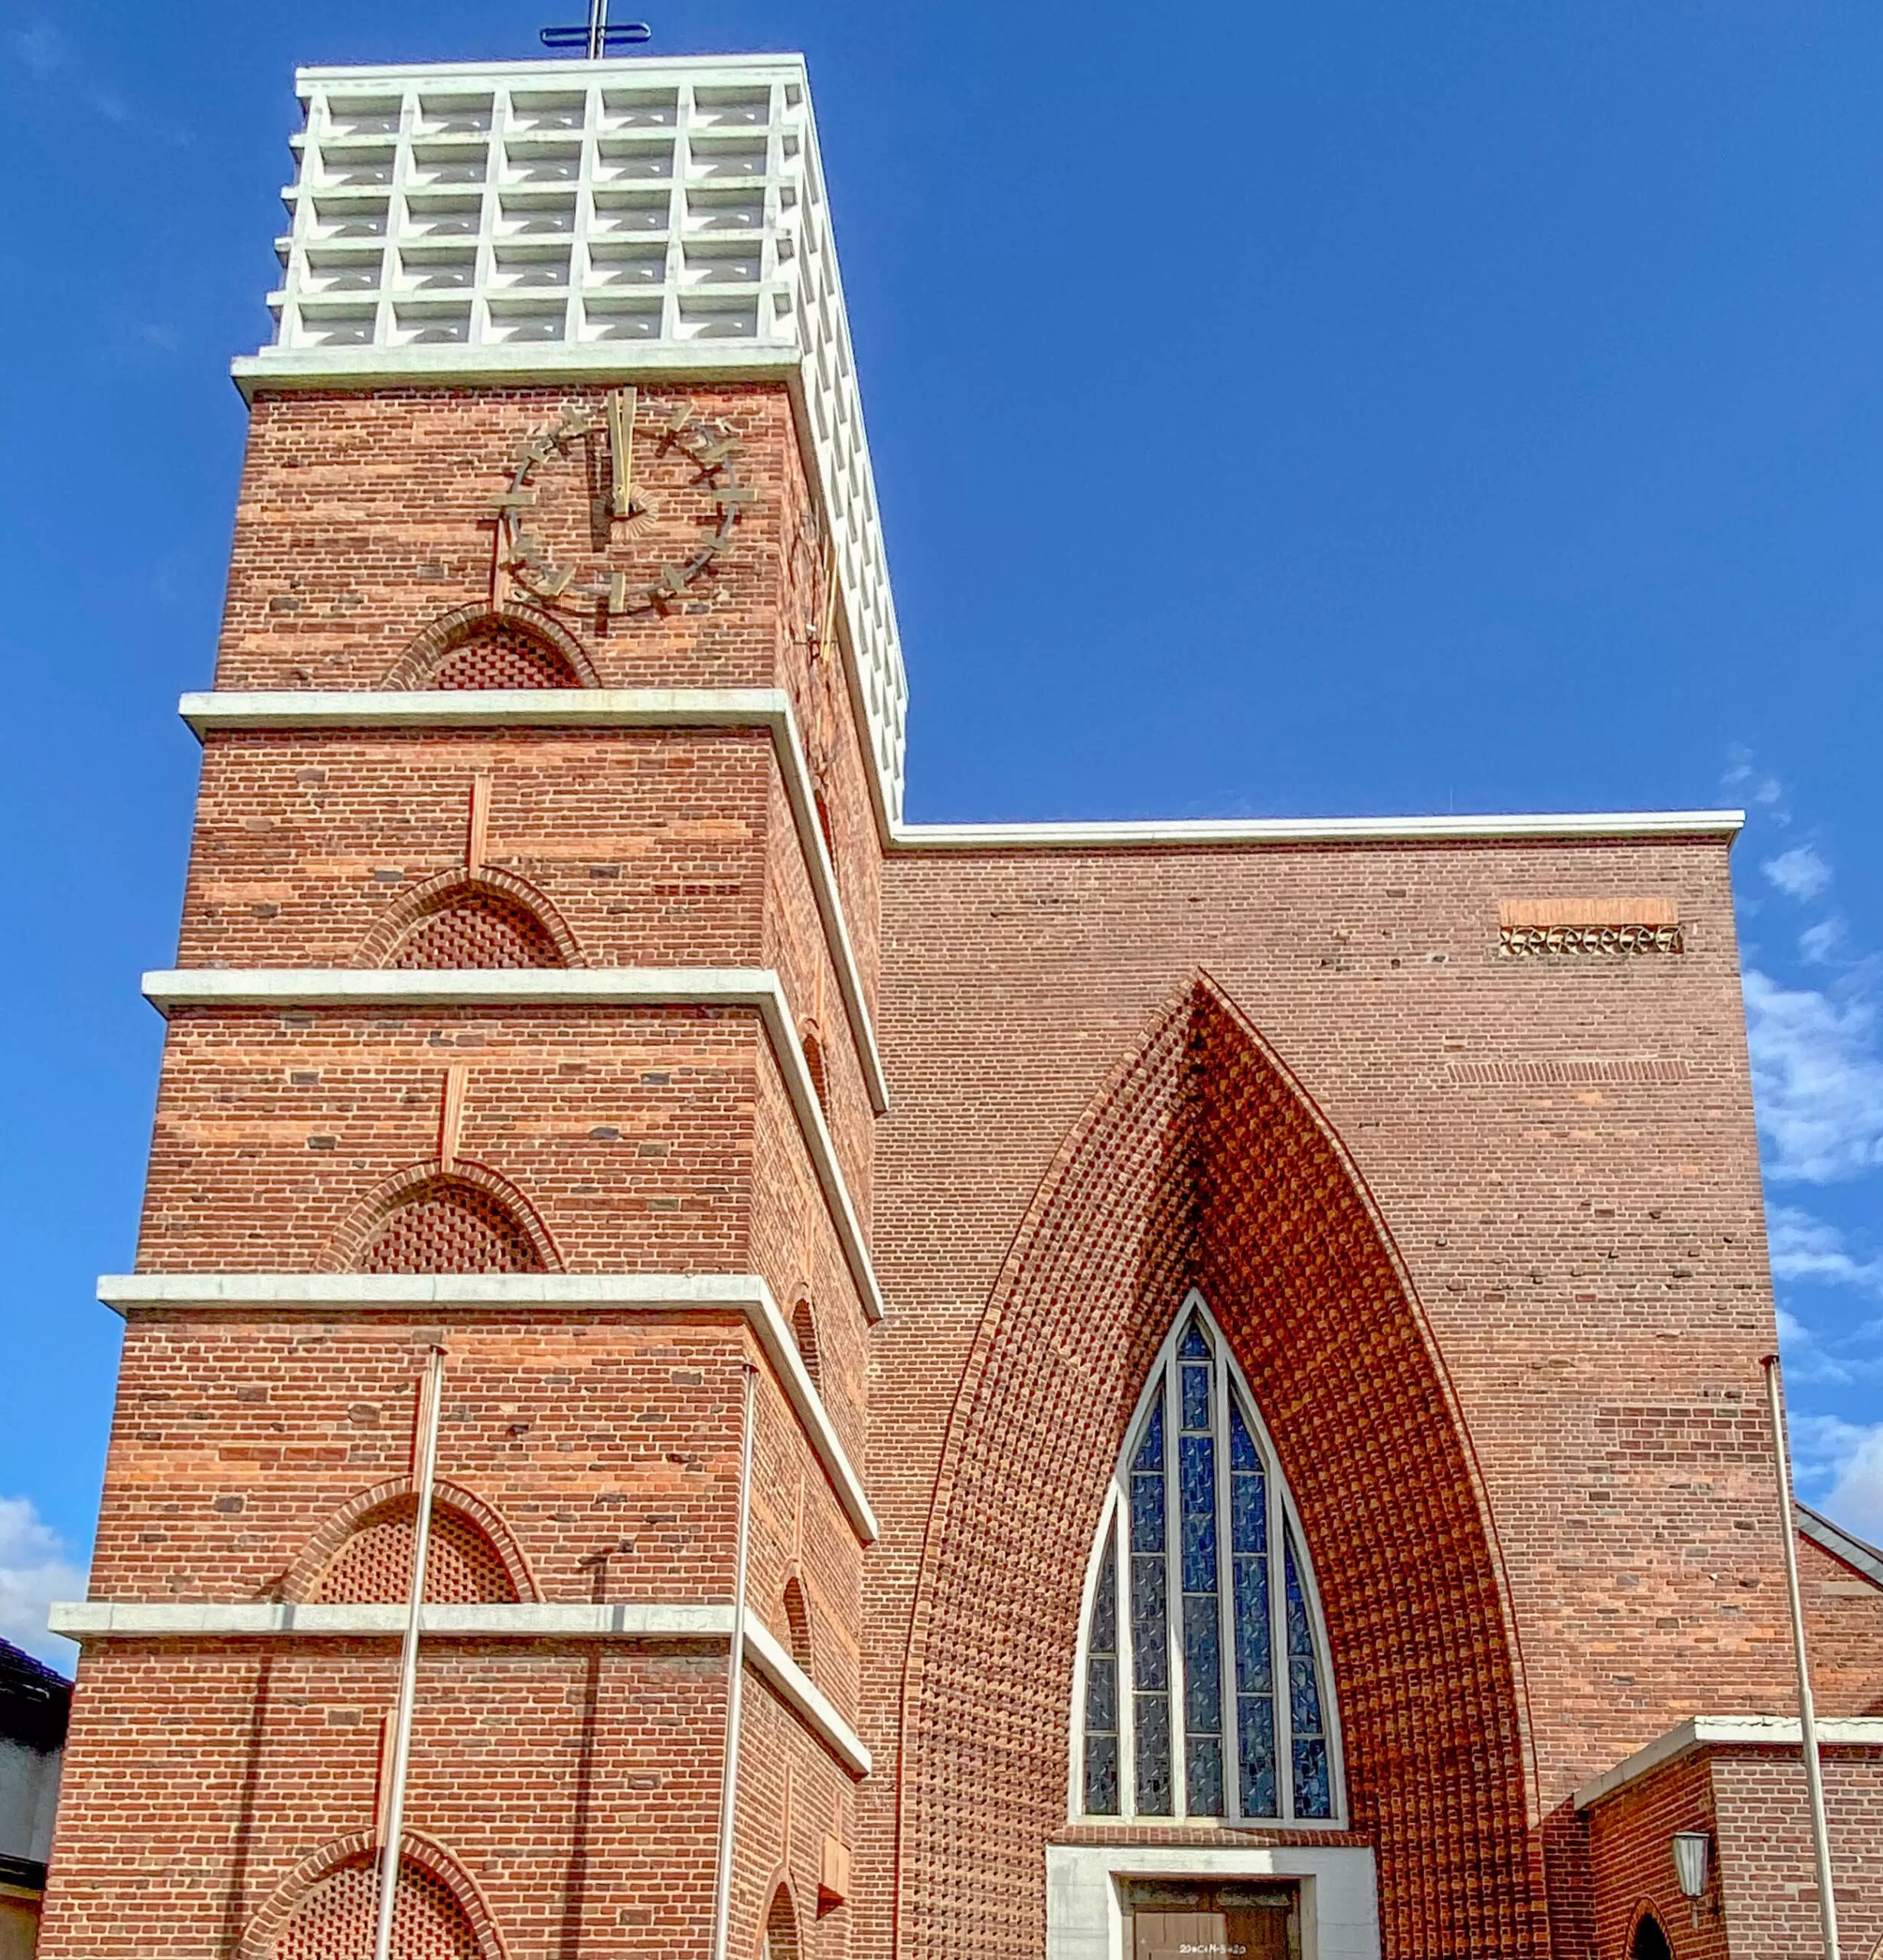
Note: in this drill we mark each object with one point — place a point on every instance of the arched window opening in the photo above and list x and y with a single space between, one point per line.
797 1623
811 1041
781 1930
499 654
447 1225
477 926
1205 1689
804 1332
462 1566
1650 1941
334 1921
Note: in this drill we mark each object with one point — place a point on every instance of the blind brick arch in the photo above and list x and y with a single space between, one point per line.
1203 1164
478 647
430 1219
365 1548
458 918
325 1909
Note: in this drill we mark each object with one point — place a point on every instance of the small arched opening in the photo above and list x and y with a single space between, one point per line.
780 1940
805 1333
811 1039
463 1567
476 925
797 1624
1650 1940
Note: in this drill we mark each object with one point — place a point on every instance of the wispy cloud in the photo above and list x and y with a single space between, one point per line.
1744 778
1817 1079
50 60
1798 873
1844 1462
36 1568
1805 1248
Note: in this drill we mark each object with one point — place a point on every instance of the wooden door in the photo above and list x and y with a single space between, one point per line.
1213 1926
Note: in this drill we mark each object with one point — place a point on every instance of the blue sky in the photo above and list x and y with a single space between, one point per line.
1330 408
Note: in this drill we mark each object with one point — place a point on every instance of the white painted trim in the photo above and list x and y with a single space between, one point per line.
108 1619
744 1293
361 369
755 988
1729 1731
1085 1907
767 708
1312 830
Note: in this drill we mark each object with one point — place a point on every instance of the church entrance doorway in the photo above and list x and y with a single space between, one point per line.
1173 1919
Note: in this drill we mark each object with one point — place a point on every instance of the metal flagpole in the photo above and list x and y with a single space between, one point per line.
432 1398
735 1682
597 29
1807 1715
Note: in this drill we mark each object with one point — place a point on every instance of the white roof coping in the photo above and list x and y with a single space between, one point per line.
1154 832
511 222
1730 1731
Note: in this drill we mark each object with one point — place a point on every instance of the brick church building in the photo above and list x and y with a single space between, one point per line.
1093 1390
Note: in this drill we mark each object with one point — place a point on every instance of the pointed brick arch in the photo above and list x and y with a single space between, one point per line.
482 647
467 1217
461 918
1203 1163
474 1555
323 1910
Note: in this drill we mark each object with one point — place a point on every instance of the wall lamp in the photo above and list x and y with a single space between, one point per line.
1691 1849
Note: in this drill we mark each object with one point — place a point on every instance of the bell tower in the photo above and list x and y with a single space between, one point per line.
509 1204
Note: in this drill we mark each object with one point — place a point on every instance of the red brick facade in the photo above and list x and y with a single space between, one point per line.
1483 1232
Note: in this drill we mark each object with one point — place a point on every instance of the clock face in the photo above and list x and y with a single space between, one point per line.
656 491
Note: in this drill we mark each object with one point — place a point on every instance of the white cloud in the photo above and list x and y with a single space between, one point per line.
1817 1080
1744 779
1798 873
36 1568
1803 1247
1850 1455
1817 943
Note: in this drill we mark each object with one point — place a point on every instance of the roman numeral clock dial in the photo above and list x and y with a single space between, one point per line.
653 496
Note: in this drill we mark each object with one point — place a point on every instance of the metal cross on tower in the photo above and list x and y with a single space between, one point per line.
598 38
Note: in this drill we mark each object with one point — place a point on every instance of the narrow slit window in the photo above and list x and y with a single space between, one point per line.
1204 1690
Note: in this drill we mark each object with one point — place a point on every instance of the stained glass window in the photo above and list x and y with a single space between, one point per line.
1204 1692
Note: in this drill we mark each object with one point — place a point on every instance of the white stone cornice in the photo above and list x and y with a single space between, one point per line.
1730 1731
105 1619
755 988
1162 833
766 708
743 1293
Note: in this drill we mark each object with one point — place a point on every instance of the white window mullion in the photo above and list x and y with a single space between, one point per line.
1278 1639
1173 1583
1220 1392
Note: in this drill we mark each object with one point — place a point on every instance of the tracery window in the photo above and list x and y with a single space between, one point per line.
1204 1689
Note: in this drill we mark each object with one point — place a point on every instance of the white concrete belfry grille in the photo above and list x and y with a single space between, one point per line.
581 218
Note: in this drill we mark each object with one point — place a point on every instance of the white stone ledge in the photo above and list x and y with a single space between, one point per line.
1730 1731
105 1619
1313 830
745 1294
766 708
360 369
756 989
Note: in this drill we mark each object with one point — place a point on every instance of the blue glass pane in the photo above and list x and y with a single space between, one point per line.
1150 1660
1301 1638
1102 1775
1203 1776
1256 1735
1101 1694
1313 1788
1203 1666
1193 1346
1104 1605
1253 1675
1196 1457
1153 1754
1248 1512
1150 1450
1242 1444
1303 1697
1196 1397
